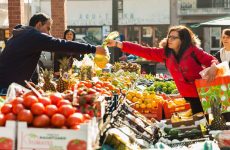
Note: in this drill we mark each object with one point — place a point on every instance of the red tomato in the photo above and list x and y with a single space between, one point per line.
86 117
75 119
6 143
63 102
17 108
76 145
64 127
44 100
88 84
75 127
17 100
6 108
29 101
37 109
98 85
50 110
58 120
91 91
55 98
41 121
28 93
2 120
91 113
25 115
66 110
10 116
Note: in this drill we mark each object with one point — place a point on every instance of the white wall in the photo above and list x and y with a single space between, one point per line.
86 13
99 12
146 12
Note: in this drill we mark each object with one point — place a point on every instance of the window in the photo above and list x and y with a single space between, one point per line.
215 34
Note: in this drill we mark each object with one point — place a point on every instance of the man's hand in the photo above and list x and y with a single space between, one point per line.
211 73
101 51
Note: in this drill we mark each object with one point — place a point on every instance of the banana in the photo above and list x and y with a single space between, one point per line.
187 113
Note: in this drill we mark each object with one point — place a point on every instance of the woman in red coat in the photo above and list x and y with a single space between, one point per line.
183 58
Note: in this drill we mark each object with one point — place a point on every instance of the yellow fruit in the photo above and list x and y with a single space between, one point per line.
146 111
147 100
135 99
140 101
143 106
149 105
154 104
152 96
129 97
171 104
139 94
101 60
179 101
132 93
137 106
145 93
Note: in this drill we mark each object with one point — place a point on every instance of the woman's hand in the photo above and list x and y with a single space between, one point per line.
211 73
114 43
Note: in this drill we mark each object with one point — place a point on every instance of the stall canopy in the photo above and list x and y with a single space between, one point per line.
214 23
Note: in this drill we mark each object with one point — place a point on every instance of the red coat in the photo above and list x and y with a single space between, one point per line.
184 73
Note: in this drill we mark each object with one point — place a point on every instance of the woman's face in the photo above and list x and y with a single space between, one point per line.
69 36
225 40
174 41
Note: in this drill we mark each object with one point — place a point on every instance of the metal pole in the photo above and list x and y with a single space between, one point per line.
114 51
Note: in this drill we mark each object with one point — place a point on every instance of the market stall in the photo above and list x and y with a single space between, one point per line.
86 108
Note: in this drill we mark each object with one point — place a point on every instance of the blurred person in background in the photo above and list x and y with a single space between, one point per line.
224 53
69 35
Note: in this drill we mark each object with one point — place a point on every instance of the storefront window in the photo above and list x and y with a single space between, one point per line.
147 36
215 34
92 35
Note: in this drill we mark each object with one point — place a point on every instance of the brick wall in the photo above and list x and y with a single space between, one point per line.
15 13
58 14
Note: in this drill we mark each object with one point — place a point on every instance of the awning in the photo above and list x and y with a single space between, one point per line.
214 23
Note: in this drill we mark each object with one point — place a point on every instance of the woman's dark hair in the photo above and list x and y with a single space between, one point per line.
38 17
226 32
187 38
70 30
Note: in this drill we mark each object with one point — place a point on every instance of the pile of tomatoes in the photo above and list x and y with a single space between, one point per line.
45 111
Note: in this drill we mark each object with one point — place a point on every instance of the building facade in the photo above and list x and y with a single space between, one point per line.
141 21
190 12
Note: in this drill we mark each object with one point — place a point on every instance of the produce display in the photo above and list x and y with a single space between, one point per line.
87 108
129 67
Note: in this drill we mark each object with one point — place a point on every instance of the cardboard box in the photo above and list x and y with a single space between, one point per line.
56 139
8 136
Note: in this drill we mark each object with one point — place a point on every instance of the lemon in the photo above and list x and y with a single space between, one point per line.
143 106
129 97
146 111
137 106
149 105
154 104
135 99
140 101
139 94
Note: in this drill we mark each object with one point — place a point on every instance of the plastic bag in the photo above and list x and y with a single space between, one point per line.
13 91
223 70
87 68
